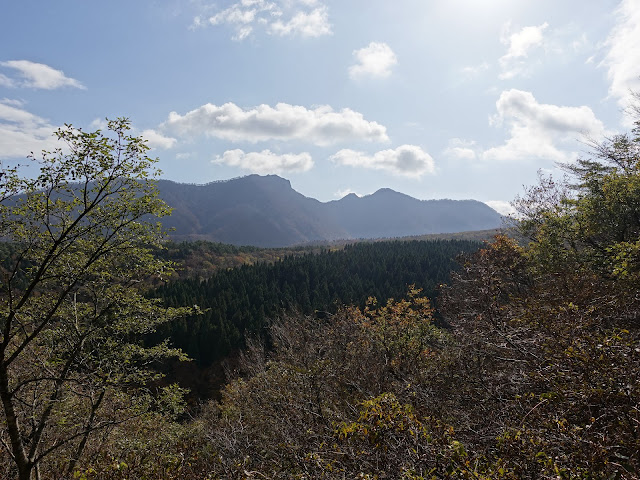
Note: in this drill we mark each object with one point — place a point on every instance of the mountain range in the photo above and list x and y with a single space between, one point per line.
266 211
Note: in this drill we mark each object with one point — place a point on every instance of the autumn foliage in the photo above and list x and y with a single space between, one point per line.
528 368
537 376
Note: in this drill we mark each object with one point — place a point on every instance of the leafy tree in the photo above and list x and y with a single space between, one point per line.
592 217
295 411
539 374
547 333
71 297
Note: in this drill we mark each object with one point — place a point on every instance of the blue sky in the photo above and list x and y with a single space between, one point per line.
434 98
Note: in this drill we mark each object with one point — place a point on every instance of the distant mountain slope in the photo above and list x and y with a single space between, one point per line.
265 211
387 213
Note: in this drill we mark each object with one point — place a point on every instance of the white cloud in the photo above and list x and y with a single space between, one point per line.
39 75
266 161
320 126
6 81
157 140
537 129
345 192
305 24
520 44
623 56
459 148
22 132
154 139
406 160
305 18
12 101
242 33
196 23
502 207
99 124
375 60
235 14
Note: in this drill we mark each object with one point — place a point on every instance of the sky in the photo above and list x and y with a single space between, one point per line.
460 99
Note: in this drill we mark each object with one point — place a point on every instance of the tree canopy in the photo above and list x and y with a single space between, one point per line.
537 377
245 299
532 375
71 308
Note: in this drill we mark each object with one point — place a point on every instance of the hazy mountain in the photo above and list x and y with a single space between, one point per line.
266 211
387 213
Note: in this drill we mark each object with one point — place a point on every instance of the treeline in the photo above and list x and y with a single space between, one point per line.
201 258
244 299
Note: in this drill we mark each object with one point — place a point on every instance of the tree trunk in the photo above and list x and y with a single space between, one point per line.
25 467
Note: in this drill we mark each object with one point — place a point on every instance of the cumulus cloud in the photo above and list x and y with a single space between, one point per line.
38 75
305 18
237 13
320 126
374 60
99 123
537 130
266 161
22 132
502 207
519 44
154 139
623 45
406 160
459 148
305 24
157 140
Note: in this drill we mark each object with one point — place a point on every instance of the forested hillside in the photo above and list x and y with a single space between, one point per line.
524 366
200 259
244 299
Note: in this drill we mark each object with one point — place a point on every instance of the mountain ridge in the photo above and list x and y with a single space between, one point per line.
266 211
